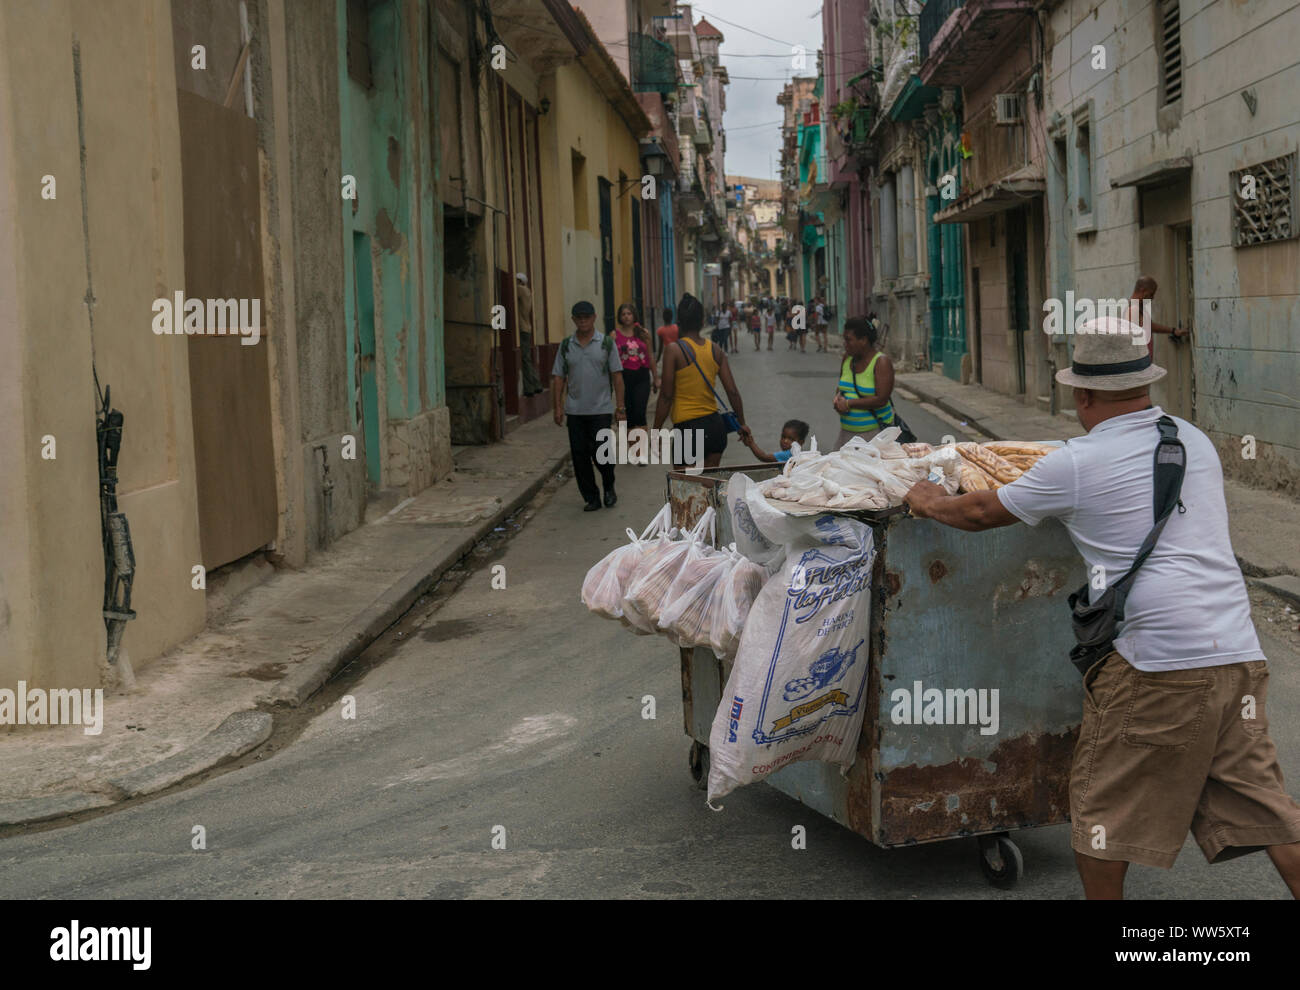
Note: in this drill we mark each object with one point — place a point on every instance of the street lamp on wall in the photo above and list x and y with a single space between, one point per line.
654 156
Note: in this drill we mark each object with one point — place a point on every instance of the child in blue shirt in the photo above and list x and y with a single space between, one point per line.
794 431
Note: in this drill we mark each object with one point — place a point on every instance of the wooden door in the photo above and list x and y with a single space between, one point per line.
230 388
1164 253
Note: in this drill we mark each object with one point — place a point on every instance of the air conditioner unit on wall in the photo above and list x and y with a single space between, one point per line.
1006 109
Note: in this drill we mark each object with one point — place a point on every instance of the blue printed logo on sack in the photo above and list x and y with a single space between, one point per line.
830 584
737 706
822 580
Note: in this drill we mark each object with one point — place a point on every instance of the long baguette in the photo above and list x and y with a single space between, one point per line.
995 464
1008 447
1023 461
974 479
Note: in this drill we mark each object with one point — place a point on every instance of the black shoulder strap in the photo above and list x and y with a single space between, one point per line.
1170 465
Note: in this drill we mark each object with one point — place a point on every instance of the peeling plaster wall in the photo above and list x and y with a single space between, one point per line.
388 147
1246 305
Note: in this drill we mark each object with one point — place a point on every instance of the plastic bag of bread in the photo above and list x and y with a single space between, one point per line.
603 587
685 617
917 449
729 606
680 613
644 598
996 465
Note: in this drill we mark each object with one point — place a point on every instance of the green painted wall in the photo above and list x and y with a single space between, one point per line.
386 145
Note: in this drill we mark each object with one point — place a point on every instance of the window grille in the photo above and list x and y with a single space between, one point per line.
1264 202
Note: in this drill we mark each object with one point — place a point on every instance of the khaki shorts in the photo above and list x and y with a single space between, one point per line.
1161 753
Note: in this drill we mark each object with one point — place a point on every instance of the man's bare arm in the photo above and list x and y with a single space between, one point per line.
973 512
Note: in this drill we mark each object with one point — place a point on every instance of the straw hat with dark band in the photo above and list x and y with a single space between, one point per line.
1110 355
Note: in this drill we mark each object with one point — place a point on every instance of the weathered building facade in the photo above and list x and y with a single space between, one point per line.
281 241
1173 130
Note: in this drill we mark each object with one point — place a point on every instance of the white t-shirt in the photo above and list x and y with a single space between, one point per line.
1188 605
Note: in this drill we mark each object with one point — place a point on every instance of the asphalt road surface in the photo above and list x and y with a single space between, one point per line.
516 714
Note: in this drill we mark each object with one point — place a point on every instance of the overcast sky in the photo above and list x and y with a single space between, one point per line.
753 118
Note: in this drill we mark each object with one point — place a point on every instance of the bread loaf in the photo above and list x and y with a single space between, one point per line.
1009 447
917 449
995 464
973 479
1023 461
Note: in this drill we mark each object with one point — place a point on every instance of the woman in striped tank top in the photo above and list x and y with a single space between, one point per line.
866 384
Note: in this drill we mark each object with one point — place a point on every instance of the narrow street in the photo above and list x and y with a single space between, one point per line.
517 708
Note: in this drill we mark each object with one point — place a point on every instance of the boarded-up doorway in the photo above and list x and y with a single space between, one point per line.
230 389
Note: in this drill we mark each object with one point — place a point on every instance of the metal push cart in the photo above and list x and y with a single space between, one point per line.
951 610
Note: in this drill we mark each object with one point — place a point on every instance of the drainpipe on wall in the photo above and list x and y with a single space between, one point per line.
327 497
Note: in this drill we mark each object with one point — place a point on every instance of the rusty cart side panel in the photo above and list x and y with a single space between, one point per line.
976 611
951 610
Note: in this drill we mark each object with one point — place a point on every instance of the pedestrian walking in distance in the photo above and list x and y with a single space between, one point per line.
585 372
532 383
668 332
636 354
687 388
722 328
1175 728
820 334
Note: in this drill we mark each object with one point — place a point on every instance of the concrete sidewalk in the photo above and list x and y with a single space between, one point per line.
211 699
1265 526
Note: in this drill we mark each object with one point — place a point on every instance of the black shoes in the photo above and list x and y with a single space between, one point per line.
610 499
591 506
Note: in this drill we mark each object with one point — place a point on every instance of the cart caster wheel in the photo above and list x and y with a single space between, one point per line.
699 763
1001 861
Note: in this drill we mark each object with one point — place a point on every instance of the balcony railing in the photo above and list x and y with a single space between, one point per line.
654 64
933 14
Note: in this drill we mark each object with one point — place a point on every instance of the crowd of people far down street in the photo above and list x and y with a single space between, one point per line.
600 379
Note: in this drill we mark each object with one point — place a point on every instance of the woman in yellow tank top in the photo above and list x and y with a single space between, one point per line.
686 391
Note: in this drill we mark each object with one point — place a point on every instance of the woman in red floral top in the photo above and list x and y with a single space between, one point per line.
639 372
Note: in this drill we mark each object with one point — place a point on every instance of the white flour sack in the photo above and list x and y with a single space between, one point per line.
796 689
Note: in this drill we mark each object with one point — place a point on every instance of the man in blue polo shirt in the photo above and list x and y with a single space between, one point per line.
586 367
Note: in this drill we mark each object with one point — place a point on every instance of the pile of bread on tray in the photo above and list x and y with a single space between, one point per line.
988 466
877 474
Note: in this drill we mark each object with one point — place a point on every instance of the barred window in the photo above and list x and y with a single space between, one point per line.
1264 202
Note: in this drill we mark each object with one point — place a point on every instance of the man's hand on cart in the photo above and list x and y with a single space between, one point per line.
920 498
973 512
